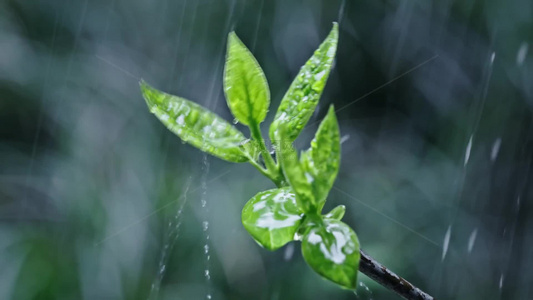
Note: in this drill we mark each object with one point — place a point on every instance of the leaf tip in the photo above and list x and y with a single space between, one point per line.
149 93
331 112
335 31
142 84
233 38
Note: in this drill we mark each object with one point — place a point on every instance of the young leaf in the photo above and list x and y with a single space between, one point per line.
196 125
331 248
245 84
295 175
322 160
337 213
300 101
272 217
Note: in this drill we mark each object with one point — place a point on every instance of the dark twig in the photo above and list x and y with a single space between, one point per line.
390 280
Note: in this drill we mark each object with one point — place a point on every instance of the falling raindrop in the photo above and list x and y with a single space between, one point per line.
341 11
205 225
501 281
363 292
522 53
472 240
495 149
289 251
344 138
446 242
468 149
170 239
235 121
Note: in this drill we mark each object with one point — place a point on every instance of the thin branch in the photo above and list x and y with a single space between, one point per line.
390 280
380 274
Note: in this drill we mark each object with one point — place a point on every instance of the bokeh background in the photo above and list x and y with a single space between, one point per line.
99 201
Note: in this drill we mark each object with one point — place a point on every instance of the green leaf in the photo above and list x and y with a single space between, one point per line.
245 84
300 101
272 217
321 161
196 125
331 248
337 213
295 175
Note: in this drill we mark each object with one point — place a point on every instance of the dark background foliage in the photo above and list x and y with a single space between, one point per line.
434 101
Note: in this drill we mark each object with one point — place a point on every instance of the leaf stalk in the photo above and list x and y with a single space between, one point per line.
273 170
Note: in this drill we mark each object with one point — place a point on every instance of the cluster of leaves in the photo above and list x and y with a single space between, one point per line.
292 211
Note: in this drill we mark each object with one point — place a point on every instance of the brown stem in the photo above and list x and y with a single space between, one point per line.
390 280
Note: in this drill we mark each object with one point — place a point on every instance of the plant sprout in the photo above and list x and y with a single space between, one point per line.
293 210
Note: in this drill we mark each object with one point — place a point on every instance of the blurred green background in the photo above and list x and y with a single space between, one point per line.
434 102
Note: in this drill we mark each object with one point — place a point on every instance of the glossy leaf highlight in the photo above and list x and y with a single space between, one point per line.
331 248
337 213
295 175
300 101
245 85
321 161
196 125
272 217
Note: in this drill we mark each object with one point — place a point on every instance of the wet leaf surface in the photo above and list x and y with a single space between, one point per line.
272 217
196 125
300 101
245 84
321 162
331 248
